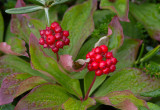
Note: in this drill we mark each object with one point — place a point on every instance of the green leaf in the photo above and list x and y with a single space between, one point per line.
88 80
1 27
153 106
41 1
150 54
155 93
46 97
120 7
80 28
124 100
9 86
22 10
74 104
58 2
7 107
16 64
148 15
127 53
49 66
129 79
87 47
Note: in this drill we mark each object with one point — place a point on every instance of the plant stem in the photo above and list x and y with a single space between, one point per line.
47 15
140 55
57 56
87 94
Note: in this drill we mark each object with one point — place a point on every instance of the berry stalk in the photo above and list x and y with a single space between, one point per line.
57 56
87 94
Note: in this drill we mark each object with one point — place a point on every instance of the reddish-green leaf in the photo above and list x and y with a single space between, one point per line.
19 23
45 97
120 7
50 67
80 25
115 36
148 15
14 46
124 100
9 86
74 104
129 79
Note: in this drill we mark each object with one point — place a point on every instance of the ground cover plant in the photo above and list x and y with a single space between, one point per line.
80 55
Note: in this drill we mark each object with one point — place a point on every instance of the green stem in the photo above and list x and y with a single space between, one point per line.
140 55
47 15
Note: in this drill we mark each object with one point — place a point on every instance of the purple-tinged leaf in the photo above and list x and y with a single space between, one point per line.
79 21
148 15
74 104
19 23
44 97
124 100
68 64
120 7
29 84
4 73
14 46
9 86
115 36
48 65
129 79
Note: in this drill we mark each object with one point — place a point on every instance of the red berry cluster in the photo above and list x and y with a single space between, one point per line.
101 61
53 37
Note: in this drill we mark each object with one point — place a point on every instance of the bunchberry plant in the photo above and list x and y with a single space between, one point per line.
89 57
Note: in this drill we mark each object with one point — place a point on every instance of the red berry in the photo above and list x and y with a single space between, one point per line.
104 48
98 72
108 63
67 41
48 32
58 36
42 32
95 65
59 44
87 56
48 28
63 38
66 33
106 71
52 46
58 29
98 57
89 67
91 54
41 41
54 24
55 49
112 68
98 50
109 55
50 39
45 46
102 64
113 60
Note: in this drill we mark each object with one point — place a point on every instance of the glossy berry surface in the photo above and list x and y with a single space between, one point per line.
54 37
101 61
